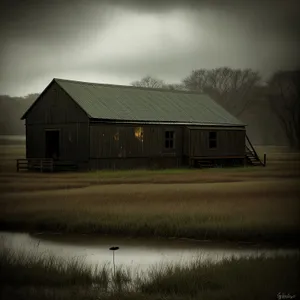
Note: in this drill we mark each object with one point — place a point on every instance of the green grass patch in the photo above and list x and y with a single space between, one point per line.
107 174
137 173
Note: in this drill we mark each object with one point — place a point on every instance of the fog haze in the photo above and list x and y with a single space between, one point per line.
121 41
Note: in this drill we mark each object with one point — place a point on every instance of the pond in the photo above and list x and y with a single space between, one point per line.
137 254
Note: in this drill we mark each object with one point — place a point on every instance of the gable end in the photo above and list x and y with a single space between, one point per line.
50 86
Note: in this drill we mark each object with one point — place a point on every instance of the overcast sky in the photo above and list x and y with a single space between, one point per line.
121 41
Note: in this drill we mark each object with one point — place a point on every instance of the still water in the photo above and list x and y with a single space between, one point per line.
138 254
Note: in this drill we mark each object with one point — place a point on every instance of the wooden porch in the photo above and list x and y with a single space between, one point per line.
251 158
45 165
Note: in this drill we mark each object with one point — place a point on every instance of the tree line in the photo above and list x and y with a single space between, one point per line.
236 89
11 110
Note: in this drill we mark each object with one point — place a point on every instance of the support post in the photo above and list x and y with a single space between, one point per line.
114 263
265 159
113 250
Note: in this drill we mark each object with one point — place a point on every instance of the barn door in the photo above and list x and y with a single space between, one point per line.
52 144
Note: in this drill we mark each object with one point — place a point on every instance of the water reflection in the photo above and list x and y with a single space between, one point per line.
137 254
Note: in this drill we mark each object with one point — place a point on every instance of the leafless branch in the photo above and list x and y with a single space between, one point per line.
285 102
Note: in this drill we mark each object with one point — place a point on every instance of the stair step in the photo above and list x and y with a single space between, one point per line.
254 160
252 157
255 163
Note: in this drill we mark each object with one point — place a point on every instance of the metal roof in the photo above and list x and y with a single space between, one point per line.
136 104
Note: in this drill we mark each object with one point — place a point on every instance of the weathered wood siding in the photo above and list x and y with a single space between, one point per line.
121 146
117 145
56 110
230 142
186 141
73 141
136 163
55 106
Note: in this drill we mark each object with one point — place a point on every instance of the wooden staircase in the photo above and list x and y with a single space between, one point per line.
251 155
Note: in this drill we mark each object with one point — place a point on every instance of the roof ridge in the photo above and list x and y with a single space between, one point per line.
131 87
123 102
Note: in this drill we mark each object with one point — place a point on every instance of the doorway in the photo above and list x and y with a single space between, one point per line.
52 144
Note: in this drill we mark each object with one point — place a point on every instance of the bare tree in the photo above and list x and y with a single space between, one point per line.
152 82
232 88
284 97
197 80
149 82
175 87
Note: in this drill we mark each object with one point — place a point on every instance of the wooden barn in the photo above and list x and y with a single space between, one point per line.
84 125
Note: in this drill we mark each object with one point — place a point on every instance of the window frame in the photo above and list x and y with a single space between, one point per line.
169 139
212 141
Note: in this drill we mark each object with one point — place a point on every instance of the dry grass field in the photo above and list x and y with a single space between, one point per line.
248 204
253 204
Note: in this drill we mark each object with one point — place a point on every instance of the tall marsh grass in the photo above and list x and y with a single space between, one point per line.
43 269
35 276
233 278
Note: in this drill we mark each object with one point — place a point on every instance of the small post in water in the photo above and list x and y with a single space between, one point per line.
265 159
113 249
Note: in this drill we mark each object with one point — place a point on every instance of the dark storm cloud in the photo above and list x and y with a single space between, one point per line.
43 39
58 18
281 16
53 21
35 36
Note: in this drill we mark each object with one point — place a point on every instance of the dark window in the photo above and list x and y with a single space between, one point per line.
212 139
169 139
